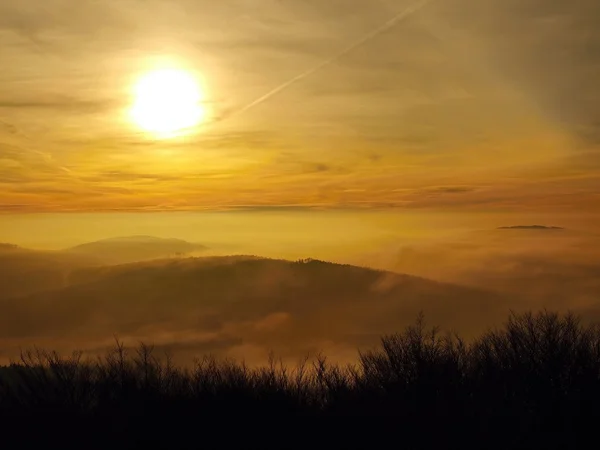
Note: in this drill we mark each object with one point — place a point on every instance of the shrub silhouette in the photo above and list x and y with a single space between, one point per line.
534 383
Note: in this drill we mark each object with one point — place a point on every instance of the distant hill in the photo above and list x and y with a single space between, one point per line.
530 227
129 249
25 271
242 304
5 247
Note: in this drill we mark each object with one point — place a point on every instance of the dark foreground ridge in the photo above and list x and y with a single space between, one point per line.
533 384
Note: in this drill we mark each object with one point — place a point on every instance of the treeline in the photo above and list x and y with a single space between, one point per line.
534 383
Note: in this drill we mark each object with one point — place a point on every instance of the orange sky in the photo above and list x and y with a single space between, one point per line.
460 105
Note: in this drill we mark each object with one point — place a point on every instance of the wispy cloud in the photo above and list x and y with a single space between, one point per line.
353 103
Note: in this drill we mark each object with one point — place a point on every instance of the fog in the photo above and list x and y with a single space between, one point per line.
244 307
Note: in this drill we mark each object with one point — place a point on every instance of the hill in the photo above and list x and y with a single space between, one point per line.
241 307
6 247
25 271
127 249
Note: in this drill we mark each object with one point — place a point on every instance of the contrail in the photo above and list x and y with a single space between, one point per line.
376 32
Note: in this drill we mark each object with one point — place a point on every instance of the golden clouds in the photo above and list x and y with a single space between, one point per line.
443 100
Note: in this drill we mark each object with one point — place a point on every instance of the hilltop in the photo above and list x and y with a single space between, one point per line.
119 250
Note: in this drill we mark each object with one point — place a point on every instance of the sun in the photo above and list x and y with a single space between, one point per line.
167 103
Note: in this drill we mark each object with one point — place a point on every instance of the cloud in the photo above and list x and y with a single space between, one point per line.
231 306
272 208
530 227
7 207
121 175
8 127
44 23
273 322
58 103
406 110
319 167
452 189
547 50
542 269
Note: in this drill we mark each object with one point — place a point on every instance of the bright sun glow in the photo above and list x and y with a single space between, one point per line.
167 103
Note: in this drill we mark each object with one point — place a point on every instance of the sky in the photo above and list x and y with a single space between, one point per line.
456 105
